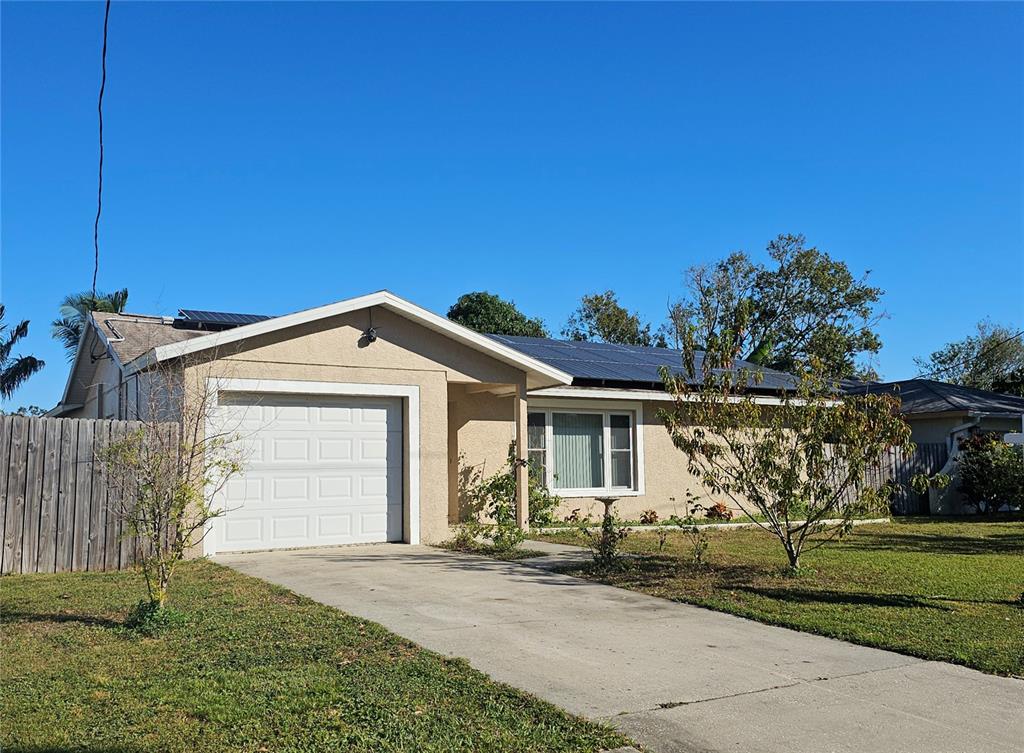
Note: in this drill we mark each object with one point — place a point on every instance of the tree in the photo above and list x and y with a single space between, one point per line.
600 318
795 466
991 359
491 315
76 308
169 473
805 305
14 370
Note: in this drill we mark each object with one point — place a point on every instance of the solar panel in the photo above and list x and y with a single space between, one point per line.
608 362
220 318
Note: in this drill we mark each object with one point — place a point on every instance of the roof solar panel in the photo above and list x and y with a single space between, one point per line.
222 318
619 363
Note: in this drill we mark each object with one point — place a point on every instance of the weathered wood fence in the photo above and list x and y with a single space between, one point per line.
58 509
900 467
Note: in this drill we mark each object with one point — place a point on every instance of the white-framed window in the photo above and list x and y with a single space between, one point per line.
585 451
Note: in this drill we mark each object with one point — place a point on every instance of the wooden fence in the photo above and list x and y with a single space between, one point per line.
900 467
58 509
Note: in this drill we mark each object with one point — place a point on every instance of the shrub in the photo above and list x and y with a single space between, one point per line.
604 543
465 538
648 518
496 497
699 544
991 472
695 534
718 511
542 502
150 619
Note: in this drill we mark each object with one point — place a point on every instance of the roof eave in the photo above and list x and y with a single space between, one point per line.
382 298
90 323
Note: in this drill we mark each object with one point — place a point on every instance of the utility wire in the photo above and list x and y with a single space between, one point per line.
978 357
99 192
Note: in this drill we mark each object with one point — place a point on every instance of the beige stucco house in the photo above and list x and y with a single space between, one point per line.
361 417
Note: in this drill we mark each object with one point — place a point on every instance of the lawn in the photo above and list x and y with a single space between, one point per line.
256 668
946 590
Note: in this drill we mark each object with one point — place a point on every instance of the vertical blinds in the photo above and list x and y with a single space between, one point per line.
577 450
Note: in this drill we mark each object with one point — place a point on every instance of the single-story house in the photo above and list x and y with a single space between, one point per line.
364 416
939 412
942 413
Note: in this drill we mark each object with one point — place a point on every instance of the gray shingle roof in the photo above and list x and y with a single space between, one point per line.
928 396
590 363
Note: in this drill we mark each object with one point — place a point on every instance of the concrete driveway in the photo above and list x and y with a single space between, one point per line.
673 677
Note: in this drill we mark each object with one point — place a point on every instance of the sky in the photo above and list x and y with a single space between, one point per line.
271 157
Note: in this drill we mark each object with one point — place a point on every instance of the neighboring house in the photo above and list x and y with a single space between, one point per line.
365 415
941 413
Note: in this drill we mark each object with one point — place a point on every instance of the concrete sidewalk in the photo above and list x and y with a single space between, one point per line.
672 676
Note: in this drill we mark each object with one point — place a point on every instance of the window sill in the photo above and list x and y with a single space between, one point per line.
578 493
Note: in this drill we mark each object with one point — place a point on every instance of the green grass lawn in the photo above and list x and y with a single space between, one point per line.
947 590
256 668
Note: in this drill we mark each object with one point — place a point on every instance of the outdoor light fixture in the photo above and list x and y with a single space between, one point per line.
370 335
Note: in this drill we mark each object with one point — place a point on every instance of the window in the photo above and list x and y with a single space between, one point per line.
621 449
583 452
536 452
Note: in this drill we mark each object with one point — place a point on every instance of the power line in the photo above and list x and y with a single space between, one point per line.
99 192
984 352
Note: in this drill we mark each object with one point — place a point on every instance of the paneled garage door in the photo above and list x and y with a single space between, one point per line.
319 470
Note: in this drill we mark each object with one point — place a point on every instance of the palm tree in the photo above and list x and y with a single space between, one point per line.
76 308
14 371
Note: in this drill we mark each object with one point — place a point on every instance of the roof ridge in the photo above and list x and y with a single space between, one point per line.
943 394
126 314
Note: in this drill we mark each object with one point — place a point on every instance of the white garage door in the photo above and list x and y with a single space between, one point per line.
319 470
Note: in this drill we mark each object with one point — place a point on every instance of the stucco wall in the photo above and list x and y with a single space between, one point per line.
480 428
933 430
937 429
405 353
483 436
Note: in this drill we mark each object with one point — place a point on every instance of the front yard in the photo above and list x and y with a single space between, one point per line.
256 668
946 590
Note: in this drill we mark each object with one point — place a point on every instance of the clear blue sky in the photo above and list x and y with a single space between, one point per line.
270 157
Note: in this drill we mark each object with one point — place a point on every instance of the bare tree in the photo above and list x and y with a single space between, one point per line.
171 468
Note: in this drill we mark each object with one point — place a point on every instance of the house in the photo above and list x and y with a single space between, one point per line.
363 416
941 413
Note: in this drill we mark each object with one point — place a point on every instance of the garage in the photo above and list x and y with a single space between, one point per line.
319 470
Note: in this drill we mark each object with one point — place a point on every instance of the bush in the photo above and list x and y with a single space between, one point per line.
604 543
718 511
542 502
648 517
695 534
496 498
150 619
465 538
991 472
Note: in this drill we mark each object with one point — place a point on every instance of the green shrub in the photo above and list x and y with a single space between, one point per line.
991 472
695 534
605 542
494 498
150 619
542 502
